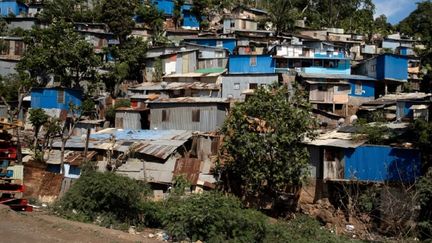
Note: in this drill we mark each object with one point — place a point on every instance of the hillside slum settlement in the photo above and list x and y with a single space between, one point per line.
189 85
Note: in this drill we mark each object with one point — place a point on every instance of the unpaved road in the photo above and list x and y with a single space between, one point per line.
39 227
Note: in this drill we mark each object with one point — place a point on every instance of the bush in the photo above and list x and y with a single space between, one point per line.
425 195
110 112
213 217
301 229
104 197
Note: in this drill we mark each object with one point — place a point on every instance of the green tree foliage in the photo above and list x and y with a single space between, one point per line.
382 26
283 15
38 118
352 15
158 70
263 142
417 24
201 10
129 59
118 15
61 52
110 113
424 186
177 18
422 131
108 195
375 133
154 19
68 10
8 88
214 217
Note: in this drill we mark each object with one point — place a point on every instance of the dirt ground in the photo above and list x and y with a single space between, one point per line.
40 227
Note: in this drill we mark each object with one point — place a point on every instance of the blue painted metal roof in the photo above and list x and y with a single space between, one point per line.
128 134
336 76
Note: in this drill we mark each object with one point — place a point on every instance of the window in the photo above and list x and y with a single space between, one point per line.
19 48
253 61
165 116
253 86
60 96
322 88
373 68
195 115
243 24
358 88
236 86
219 54
330 64
219 43
232 24
5 48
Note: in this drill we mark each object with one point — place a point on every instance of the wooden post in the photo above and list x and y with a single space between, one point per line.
86 144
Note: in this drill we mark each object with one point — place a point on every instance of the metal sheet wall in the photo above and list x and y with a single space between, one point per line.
180 117
230 82
382 163
131 120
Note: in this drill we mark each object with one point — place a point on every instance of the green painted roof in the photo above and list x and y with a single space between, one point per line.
210 70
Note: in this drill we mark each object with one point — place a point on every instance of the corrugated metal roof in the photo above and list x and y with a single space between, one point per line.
158 143
77 158
126 134
190 100
157 86
188 167
194 75
325 82
336 76
419 107
71 157
335 139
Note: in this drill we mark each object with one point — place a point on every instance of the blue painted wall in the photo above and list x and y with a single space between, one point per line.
368 88
241 64
70 171
391 66
166 6
382 163
344 67
189 20
47 98
229 44
12 7
321 55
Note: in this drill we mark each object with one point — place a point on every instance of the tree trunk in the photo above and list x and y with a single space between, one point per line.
62 153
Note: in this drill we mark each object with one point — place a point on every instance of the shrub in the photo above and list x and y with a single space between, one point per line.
213 217
301 229
105 197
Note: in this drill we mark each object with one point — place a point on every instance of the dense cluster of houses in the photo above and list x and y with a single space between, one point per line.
187 88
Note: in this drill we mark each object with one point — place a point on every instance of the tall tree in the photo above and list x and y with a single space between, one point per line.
59 52
68 10
283 15
201 10
118 15
382 26
128 63
262 150
177 16
13 89
153 18
418 24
